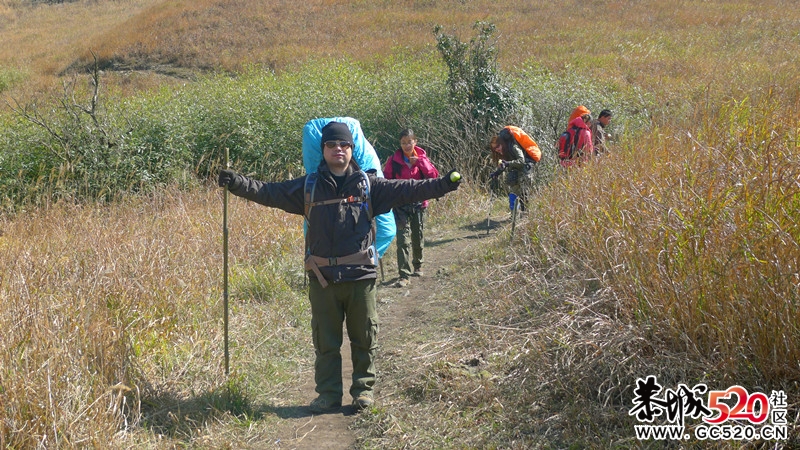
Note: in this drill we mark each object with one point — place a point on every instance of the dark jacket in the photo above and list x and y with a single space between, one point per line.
598 137
518 167
340 229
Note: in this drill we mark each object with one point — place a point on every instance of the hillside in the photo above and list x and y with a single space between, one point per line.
667 269
619 42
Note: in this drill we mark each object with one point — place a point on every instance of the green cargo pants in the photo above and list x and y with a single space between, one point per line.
353 303
410 233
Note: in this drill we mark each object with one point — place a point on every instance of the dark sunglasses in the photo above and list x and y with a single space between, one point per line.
333 144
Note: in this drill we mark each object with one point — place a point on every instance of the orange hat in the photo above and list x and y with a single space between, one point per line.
578 112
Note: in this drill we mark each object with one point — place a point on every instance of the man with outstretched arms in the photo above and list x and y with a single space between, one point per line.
339 203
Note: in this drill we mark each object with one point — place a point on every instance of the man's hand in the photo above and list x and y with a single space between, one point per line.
226 177
453 178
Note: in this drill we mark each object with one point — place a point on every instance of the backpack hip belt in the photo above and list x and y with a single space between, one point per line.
363 258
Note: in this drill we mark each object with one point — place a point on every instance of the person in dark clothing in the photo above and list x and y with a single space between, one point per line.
599 134
340 255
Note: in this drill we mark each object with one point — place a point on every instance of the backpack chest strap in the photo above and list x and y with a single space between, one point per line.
333 201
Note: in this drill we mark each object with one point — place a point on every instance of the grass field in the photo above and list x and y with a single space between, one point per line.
673 49
677 255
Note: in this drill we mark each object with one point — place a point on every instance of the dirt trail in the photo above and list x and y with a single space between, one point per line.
398 309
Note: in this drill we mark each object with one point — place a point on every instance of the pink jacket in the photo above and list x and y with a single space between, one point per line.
584 145
397 168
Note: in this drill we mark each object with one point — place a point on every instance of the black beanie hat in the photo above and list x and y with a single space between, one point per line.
336 131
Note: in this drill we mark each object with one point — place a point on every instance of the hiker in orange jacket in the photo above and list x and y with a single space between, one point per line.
579 111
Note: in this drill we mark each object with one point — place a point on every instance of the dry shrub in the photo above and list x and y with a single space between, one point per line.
649 261
683 265
117 309
703 244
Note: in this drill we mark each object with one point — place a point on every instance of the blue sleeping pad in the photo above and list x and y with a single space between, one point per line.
364 155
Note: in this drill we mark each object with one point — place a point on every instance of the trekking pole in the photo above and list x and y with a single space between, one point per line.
492 187
489 214
514 218
225 266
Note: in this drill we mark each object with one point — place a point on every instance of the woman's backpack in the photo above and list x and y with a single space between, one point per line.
567 143
526 142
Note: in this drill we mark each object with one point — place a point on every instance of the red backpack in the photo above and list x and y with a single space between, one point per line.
567 143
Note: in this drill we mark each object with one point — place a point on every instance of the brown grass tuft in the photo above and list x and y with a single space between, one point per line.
118 307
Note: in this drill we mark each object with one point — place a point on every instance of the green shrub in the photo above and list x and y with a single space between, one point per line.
138 144
473 78
9 77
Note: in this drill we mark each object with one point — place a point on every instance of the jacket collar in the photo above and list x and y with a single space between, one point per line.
351 169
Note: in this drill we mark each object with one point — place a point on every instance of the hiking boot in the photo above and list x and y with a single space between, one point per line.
322 405
363 401
417 273
402 282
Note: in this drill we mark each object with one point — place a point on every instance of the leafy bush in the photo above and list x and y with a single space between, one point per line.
140 143
546 101
108 147
473 78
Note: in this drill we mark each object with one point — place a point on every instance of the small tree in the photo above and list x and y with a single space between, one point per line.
481 102
473 77
85 152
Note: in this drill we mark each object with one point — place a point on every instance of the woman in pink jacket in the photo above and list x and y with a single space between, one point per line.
409 162
581 148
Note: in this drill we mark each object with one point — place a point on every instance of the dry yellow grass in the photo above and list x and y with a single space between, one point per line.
102 299
665 47
42 41
663 220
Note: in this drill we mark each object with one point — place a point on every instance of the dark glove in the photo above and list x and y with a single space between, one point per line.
453 183
495 174
226 177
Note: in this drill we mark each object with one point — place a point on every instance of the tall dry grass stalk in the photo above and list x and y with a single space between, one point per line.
106 306
699 232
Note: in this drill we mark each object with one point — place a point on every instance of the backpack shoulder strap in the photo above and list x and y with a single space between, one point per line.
370 216
310 187
573 145
367 194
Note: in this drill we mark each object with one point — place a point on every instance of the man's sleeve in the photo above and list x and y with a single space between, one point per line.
388 171
286 195
389 193
427 168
